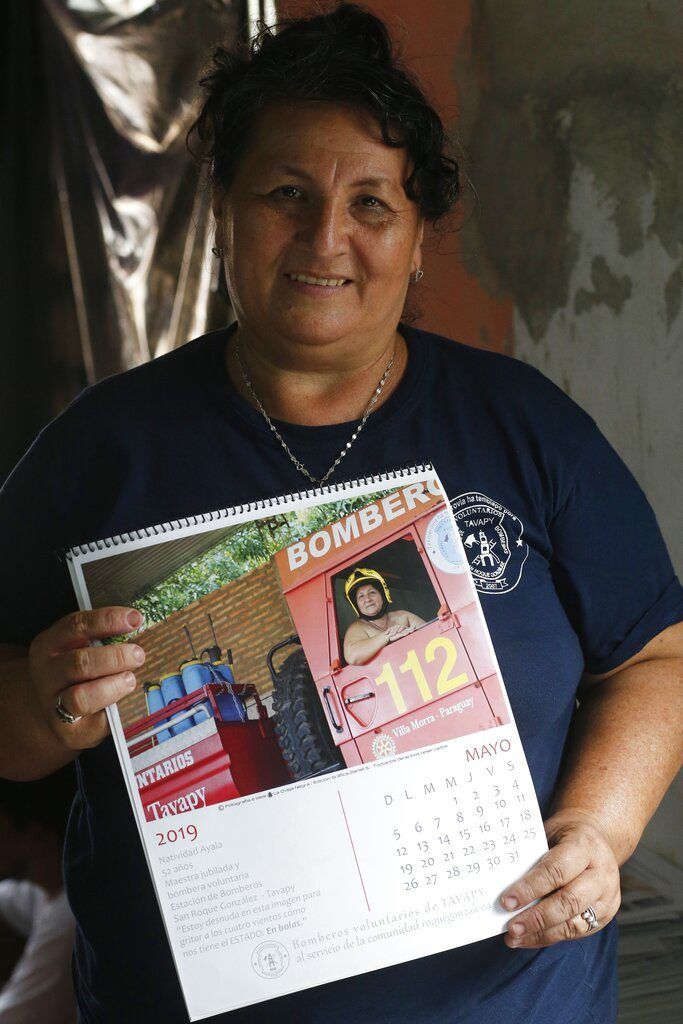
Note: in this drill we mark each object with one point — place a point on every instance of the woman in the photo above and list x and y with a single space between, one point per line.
326 162
377 624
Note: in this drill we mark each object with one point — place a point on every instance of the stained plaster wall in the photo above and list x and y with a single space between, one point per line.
572 115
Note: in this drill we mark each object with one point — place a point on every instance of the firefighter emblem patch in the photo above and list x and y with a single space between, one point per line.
270 959
493 540
383 746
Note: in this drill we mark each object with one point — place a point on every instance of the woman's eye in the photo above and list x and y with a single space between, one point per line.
294 192
288 191
372 202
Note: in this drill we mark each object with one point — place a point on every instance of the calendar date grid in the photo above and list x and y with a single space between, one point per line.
478 829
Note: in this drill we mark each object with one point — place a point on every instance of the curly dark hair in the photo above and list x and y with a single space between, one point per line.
342 56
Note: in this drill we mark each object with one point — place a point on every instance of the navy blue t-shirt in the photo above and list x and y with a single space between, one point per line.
582 580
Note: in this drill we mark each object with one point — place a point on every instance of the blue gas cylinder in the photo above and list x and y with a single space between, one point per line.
172 688
230 706
224 671
155 702
196 674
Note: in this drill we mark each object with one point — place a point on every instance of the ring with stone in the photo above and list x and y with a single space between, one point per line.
63 715
591 918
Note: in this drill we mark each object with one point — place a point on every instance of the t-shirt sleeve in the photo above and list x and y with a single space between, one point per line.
610 564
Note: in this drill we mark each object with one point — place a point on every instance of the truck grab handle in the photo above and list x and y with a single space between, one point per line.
328 703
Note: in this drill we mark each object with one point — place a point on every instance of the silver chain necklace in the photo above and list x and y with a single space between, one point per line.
319 481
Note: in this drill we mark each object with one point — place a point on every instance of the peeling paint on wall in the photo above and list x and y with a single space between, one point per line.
572 118
613 291
673 291
553 95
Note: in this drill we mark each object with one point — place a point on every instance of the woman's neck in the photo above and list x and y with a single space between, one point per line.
312 389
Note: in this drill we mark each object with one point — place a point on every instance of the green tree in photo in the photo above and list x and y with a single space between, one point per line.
249 547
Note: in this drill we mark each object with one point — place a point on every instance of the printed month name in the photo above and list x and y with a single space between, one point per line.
485 750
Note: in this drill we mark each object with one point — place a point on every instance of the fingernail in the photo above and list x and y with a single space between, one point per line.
517 928
134 618
139 655
129 680
510 902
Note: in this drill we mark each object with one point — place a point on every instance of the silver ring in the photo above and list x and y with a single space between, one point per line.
63 715
591 918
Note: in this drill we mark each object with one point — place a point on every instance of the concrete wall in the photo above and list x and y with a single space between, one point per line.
572 116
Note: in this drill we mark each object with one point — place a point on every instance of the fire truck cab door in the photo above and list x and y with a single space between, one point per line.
407 676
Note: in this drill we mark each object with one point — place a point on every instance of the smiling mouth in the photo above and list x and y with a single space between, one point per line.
322 282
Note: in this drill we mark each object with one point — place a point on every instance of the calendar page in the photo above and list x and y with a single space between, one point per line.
320 754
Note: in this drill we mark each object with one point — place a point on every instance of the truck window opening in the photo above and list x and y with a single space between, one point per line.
407 578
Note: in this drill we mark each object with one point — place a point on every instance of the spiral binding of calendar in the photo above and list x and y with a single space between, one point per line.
252 507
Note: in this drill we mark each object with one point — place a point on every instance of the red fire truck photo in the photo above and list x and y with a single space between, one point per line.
388 652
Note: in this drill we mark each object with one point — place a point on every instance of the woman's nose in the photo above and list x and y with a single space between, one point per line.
325 227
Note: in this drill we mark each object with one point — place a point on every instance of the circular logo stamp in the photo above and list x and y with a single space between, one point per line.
270 959
383 746
441 545
492 538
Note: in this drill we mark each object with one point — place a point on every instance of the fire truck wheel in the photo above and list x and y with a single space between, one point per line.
300 725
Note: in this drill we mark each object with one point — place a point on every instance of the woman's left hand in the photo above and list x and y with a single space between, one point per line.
580 870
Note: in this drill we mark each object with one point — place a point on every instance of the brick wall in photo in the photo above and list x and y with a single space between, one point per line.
249 615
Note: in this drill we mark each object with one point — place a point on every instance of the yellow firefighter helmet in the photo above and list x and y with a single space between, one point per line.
360 576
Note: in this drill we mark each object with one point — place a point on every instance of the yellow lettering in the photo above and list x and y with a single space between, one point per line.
412 664
387 676
445 683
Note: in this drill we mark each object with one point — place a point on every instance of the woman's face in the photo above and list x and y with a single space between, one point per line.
368 600
318 195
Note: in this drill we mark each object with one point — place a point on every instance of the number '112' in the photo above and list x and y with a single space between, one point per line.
445 681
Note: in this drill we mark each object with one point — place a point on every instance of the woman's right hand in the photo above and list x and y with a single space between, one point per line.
396 632
62 663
